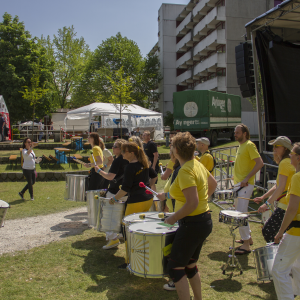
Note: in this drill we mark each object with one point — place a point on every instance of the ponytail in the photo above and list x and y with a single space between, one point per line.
138 152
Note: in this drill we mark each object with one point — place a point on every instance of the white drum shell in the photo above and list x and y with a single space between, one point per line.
75 187
264 260
223 195
148 241
4 206
110 216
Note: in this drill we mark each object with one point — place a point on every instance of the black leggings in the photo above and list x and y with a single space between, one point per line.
30 177
272 225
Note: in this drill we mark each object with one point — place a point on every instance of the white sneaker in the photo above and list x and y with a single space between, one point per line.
111 244
170 286
32 199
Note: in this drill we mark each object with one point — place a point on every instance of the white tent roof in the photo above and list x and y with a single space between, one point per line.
105 109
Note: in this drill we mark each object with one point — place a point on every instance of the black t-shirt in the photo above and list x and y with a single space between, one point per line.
149 149
134 174
152 173
117 167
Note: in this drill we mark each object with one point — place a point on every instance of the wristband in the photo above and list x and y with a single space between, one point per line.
105 166
115 199
98 171
269 205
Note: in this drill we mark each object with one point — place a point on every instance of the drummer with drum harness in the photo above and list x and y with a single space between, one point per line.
247 163
115 176
287 260
206 157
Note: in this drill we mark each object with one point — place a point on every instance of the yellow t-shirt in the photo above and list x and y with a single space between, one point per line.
192 173
294 189
207 160
97 151
170 165
287 169
244 162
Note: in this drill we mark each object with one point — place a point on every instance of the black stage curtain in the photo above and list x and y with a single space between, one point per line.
280 71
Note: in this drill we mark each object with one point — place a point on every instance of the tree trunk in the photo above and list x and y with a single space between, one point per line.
32 134
121 119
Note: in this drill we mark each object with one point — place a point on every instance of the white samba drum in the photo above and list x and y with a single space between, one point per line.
110 215
151 243
4 206
264 259
224 195
233 217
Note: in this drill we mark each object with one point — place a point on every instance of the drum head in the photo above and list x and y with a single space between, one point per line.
233 213
149 215
152 228
3 204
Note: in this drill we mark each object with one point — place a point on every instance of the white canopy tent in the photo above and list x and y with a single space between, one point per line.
132 116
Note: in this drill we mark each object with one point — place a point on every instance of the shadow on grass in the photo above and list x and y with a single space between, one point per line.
102 265
15 202
226 285
267 287
70 228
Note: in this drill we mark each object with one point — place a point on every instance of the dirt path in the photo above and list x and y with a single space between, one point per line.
24 234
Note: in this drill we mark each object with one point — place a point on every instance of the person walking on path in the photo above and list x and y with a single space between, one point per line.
28 167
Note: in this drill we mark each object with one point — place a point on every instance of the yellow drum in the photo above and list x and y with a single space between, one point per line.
150 246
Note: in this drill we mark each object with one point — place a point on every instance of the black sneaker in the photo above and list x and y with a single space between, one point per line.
123 266
21 195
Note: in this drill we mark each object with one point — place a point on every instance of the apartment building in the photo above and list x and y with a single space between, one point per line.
196 45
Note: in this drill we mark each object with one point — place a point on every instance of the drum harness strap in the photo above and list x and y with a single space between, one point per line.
294 224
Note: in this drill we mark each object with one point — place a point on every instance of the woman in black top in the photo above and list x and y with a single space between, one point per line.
135 172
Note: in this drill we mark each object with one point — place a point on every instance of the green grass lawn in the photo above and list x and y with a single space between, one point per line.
78 268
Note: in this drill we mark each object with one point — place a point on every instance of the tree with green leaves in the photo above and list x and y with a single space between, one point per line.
18 55
34 93
113 54
120 93
69 56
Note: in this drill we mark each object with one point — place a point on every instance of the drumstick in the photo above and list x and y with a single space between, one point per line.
161 169
142 185
246 198
250 212
93 158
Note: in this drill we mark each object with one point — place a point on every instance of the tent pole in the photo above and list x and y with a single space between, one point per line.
258 102
90 120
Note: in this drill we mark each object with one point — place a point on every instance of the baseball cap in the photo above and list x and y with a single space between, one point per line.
282 141
203 140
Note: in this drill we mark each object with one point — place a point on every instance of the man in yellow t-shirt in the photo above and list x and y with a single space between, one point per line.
247 163
287 260
206 158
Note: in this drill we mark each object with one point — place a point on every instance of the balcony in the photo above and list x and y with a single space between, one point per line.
217 84
202 8
216 38
189 7
217 60
185 25
184 61
185 43
184 78
209 22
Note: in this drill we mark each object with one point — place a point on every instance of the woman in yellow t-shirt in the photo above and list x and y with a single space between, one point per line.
281 148
191 189
95 179
287 259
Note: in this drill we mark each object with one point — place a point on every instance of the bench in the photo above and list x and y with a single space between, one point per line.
78 156
13 158
66 144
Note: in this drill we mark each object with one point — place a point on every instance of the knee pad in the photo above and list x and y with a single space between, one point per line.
175 274
191 272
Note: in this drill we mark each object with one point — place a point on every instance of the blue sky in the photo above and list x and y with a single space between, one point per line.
94 20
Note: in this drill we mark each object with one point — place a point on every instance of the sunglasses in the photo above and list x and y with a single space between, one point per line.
293 153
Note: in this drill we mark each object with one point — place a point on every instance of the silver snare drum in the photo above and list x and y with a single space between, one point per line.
151 244
264 259
3 209
233 217
110 216
93 202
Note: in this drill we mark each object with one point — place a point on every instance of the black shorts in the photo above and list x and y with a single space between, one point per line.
189 238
